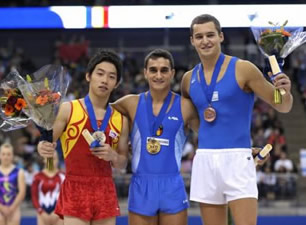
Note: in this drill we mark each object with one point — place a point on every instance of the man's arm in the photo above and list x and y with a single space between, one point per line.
190 114
46 149
251 79
61 120
123 147
127 106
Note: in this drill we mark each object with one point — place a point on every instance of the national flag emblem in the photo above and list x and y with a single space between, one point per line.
159 130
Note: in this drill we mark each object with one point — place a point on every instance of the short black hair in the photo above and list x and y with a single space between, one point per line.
205 18
105 56
159 53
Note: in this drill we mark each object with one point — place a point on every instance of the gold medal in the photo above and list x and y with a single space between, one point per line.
210 114
153 146
99 136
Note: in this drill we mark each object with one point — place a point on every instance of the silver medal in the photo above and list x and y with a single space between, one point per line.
99 136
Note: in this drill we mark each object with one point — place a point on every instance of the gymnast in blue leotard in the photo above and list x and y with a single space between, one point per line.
158 122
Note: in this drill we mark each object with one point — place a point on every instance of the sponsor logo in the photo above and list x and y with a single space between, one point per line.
172 118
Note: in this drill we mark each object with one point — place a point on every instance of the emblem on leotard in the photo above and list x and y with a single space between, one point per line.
159 130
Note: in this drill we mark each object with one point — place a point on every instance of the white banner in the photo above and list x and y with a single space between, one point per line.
180 16
303 161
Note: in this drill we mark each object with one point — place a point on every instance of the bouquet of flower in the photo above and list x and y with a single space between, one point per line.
276 42
43 92
12 103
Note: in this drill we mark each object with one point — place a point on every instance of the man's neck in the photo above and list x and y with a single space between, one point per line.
98 102
158 96
210 62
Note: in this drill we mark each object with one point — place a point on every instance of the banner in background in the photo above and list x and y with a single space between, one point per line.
303 161
145 16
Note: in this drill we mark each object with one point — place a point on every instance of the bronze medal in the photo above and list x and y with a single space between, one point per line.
153 146
99 136
210 114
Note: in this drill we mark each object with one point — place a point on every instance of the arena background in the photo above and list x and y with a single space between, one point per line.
27 44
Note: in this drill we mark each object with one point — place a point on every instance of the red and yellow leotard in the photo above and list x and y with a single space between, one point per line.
88 191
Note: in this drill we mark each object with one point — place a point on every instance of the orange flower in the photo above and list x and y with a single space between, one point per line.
41 100
55 96
8 110
20 104
286 33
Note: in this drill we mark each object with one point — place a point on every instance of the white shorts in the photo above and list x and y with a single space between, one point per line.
223 175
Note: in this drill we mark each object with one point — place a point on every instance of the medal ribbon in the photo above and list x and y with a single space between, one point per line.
93 120
208 90
153 121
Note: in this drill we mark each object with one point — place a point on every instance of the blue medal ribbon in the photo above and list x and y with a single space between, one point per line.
93 120
208 90
155 121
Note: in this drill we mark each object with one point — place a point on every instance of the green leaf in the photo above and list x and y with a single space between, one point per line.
28 77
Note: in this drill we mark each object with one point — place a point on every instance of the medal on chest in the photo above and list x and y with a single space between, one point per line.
155 126
99 131
153 146
210 113
99 136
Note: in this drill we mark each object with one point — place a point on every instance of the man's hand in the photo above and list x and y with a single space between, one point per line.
282 81
46 149
105 152
255 151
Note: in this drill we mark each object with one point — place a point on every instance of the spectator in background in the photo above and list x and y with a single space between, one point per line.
73 50
260 176
259 138
277 137
283 164
269 184
29 174
187 158
285 167
12 187
45 190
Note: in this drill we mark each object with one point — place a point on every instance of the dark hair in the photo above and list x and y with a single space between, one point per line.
205 18
159 53
105 56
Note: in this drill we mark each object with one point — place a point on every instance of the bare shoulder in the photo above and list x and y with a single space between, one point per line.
246 69
187 76
65 108
185 84
64 112
247 74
